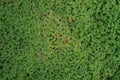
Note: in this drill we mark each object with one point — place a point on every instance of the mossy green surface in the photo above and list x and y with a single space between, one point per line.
59 39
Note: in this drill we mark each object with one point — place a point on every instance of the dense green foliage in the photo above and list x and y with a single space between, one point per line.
59 39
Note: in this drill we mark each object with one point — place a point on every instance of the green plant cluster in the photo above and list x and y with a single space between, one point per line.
59 39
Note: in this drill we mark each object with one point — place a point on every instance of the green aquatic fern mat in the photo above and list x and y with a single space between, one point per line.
59 40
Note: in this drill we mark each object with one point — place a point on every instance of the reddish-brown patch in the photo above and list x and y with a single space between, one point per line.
71 19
